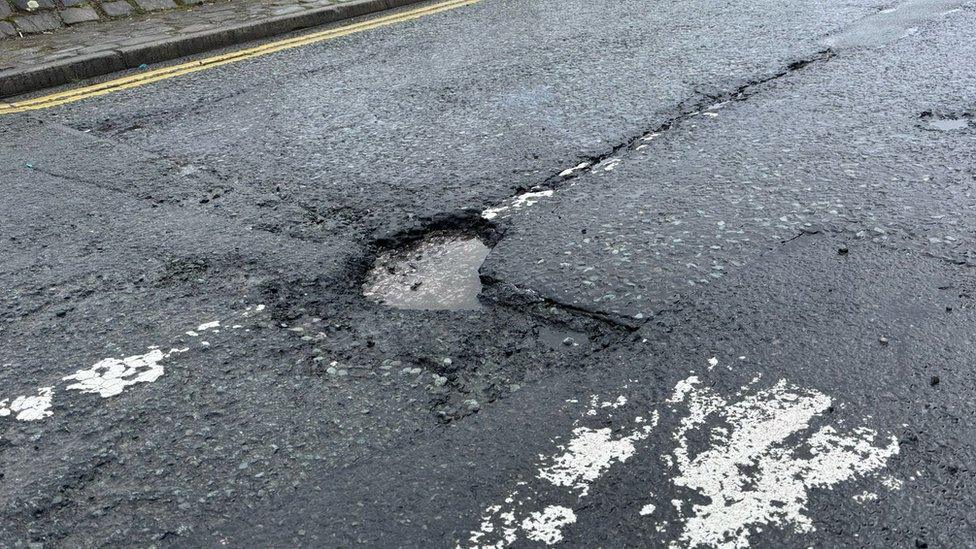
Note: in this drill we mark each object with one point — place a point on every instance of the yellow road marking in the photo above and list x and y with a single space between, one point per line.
148 77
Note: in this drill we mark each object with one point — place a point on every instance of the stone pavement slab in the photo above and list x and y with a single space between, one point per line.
38 61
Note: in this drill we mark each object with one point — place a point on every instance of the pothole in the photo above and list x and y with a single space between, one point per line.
948 124
945 122
439 272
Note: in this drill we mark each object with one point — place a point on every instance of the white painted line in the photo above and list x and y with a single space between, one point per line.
539 513
208 326
109 377
759 434
523 200
547 525
763 455
29 408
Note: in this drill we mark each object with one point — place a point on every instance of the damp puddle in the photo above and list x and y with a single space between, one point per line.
437 273
948 124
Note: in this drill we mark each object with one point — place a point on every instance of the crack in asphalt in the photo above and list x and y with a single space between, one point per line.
697 106
564 178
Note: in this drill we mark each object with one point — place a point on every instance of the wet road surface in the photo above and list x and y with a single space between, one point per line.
727 300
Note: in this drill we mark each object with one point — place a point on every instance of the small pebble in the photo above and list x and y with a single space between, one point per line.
883 340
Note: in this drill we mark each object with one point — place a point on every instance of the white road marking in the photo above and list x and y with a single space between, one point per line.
540 510
29 408
546 525
523 200
109 377
892 483
762 457
757 434
570 171
208 326
589 454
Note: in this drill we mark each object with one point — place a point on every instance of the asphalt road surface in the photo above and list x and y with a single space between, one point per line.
728 299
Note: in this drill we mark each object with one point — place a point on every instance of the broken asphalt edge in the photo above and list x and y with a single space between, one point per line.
65 71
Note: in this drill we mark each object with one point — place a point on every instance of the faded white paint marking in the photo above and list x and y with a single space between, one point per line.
523 200
588 456
621 400
892 483
757 457
568 172
29 408
109 377
539 512
752 435
547 525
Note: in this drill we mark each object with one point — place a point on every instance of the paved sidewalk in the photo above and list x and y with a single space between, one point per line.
38 61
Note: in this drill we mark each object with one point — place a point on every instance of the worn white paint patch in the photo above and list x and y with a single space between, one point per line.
755 470
208 326
29 408
570 171
523 200
109 377
620 401
752 458
252 310
588 455
892 483
547 525
539 510
865 497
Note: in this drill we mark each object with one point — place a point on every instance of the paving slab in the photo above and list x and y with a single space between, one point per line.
37 61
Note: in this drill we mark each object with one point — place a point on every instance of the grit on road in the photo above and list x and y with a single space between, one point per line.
724 252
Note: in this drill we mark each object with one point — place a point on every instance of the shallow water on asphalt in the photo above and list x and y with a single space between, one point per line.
948 124
438 273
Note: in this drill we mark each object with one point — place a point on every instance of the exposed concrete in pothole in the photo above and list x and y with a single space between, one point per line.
439 272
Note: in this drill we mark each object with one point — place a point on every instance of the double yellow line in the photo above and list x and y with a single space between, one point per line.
148 77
